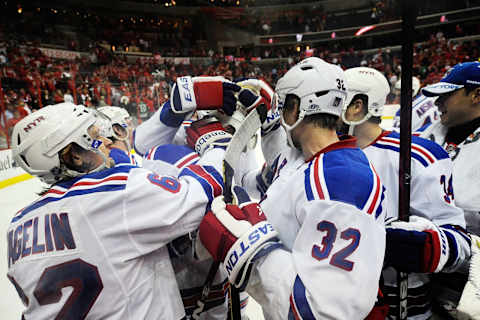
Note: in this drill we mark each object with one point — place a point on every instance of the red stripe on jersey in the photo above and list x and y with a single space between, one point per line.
151 153
55 191
217 188
317 179
294 309
184 162
91 183
377 192
414 147
423 152
87 183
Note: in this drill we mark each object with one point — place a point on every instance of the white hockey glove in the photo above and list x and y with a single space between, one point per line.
207 133
469 305
237 235
203 93
416 246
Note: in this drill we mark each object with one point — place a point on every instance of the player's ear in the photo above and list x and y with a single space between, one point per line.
476 95
357 106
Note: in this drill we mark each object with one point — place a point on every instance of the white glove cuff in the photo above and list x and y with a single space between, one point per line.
188 103
245 248
217 137
469 305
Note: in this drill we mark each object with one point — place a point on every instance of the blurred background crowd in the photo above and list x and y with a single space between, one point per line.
52 51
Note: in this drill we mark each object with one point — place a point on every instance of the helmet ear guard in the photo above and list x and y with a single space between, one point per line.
370 83
120 121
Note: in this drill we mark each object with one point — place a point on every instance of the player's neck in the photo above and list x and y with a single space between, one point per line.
314 139
366 133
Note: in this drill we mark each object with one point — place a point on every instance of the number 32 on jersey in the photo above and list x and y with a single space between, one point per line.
324 250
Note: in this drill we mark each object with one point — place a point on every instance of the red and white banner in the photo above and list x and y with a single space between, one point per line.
60 54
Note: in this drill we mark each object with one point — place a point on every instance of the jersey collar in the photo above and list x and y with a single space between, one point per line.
346 142
380 136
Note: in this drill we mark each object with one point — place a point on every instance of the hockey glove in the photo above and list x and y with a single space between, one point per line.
203 93
255 92
416 246
207 133
469 305
237 235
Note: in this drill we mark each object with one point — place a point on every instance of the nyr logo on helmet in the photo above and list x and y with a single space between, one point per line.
96 144
33 124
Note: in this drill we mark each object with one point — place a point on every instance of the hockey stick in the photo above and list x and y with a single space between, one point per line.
408 32
240 139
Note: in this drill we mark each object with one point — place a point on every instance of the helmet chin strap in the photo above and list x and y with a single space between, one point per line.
288 129
351 124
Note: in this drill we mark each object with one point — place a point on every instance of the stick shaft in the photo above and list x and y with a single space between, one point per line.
408 36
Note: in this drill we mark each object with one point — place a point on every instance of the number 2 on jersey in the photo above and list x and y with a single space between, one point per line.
338 259
80 275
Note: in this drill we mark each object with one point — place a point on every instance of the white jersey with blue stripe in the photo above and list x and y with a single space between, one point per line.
94 247
431 197
329 214
190 272
466 173
163 127
424 111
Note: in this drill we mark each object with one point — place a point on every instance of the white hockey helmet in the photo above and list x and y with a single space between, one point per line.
38 138
415 86
319 85
119 117
369 82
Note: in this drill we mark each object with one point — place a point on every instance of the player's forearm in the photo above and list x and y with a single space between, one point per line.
249 183
213 157
271 285
273 144
459 244
158 130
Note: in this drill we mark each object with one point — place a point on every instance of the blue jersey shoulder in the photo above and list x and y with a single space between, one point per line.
348 176
170 153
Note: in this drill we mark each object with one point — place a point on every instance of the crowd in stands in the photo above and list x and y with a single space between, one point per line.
31 80
315 19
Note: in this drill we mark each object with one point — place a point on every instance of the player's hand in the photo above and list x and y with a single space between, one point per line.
207 133
416 246
203 93
256 92
237 235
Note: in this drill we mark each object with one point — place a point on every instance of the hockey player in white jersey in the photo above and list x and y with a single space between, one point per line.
424 113
424 110
121 135
435 239
458 132
325 203
168 128
94 245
